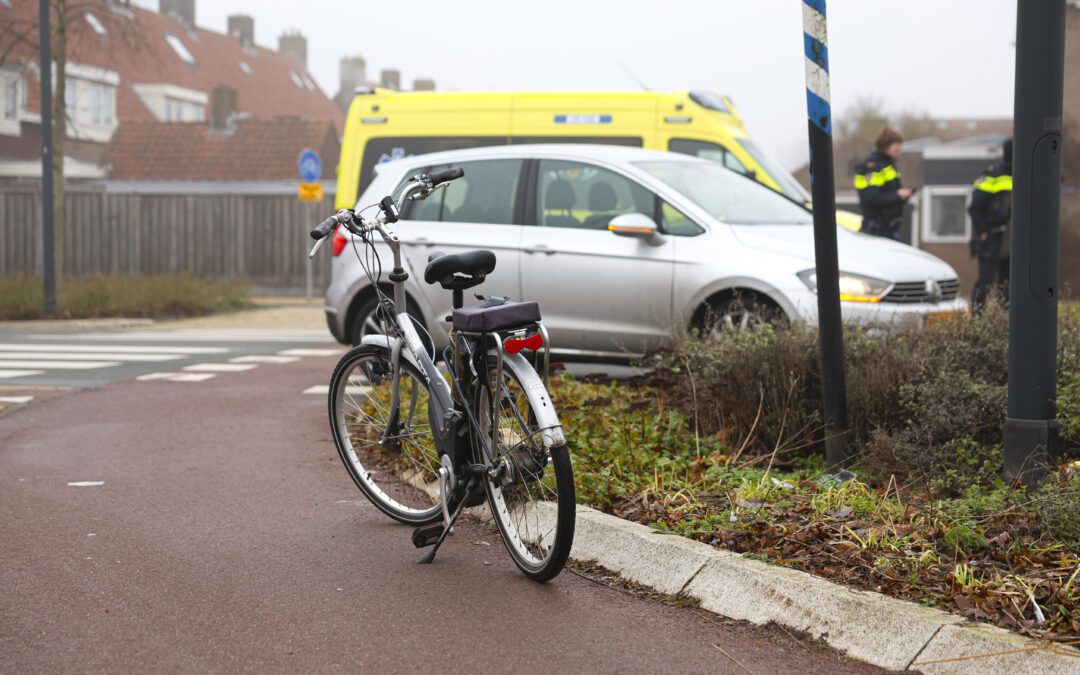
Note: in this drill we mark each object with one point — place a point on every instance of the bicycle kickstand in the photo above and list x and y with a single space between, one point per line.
422 535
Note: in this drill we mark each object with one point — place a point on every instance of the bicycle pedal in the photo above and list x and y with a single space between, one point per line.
427 535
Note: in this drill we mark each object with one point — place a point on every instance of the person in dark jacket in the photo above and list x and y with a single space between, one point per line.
877 182
991 231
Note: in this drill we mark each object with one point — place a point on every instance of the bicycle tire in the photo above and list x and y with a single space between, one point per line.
404 467
517 497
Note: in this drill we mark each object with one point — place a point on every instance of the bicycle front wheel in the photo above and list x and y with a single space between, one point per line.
531 493
389 452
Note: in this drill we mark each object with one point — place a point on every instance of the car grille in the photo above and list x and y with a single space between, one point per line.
916 291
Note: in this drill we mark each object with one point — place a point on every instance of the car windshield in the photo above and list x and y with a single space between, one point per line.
726 195
788 185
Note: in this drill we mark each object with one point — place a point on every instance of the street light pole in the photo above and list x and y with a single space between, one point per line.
1031 428
48 206
823 190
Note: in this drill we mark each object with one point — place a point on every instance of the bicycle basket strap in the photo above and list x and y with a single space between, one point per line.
499 317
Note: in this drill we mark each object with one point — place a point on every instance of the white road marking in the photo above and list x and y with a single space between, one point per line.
324 390
16 400
59 365
7 374
205 335
311 352
176 377
26 347
262 358
64 356
221 367
86 483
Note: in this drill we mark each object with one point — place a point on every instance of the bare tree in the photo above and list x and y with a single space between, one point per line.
19 40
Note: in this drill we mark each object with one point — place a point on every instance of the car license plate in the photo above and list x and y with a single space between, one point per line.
936 319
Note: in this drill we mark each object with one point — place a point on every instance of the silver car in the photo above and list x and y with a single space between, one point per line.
624 248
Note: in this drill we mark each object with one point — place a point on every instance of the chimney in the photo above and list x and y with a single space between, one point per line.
242 27
223 107
423 84
181 10
353 71
391 79
294 45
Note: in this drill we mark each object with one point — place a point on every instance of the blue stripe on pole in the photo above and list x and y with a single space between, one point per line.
819 112
816 51
817 5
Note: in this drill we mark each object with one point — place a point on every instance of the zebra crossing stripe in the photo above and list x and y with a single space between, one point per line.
176 377
105 349
221 367
61 356
16 400
58 365
262 358
324 390
8 374
310 352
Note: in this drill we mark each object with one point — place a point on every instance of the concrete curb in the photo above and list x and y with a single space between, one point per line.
871 627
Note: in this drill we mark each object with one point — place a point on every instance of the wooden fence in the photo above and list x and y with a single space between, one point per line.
257 238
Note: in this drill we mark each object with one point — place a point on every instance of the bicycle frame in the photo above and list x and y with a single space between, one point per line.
411 346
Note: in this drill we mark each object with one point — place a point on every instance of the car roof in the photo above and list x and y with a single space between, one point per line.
585 151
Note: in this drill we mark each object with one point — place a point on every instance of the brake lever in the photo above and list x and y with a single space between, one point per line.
315 248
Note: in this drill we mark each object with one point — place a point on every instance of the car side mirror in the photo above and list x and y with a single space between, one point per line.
636 225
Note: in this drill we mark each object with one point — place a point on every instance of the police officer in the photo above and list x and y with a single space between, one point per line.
877 183
991 218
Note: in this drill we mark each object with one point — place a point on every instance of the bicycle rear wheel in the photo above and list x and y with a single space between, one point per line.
390 455
531 494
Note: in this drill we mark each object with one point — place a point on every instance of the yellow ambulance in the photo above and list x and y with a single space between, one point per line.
383 125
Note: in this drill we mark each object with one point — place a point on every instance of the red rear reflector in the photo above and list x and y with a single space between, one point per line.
515 345
339 241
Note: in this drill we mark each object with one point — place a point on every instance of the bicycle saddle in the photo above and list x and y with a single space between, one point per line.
441 269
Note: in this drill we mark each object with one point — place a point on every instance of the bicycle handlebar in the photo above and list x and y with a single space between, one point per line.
324 228
446 176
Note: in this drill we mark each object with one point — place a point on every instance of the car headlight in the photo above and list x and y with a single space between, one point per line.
853 287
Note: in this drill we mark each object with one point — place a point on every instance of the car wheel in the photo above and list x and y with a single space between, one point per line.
371 319
743 312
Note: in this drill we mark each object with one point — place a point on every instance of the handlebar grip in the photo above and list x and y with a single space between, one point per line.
324 228
446 176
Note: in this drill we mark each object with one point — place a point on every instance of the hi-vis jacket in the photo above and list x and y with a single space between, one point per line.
991 204
876 182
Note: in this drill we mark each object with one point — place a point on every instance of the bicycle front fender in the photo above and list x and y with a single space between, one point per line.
546 418
392 345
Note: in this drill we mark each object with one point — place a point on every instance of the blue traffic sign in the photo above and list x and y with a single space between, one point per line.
309 165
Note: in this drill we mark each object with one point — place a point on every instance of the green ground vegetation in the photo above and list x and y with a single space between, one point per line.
721 443
22 298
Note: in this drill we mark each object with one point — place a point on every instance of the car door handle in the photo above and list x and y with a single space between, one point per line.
539 248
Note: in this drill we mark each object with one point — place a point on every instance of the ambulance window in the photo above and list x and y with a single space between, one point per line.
710 151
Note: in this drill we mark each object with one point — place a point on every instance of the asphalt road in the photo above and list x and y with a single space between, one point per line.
226 536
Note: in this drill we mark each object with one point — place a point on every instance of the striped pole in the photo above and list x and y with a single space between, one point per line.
823 191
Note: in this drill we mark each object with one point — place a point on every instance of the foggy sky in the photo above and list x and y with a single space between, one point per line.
950 58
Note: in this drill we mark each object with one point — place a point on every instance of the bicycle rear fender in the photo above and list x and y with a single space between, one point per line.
546 418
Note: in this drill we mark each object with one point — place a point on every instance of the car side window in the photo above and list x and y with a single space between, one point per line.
673 221
713 152
485 194
583 196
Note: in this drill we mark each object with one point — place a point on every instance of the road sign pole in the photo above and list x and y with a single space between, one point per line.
823 190
1031 430
48 205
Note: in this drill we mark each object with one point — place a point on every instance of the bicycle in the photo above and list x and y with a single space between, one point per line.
422 448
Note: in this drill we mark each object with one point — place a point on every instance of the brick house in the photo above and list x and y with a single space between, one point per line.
128 65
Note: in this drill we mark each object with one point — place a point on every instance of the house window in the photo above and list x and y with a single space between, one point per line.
944 214
177 110
11 97
96 24
91 106
181 50
296 79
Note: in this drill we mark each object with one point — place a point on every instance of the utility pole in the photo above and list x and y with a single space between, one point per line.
48 205
823 190
1031 428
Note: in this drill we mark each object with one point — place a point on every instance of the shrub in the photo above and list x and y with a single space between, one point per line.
927 405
